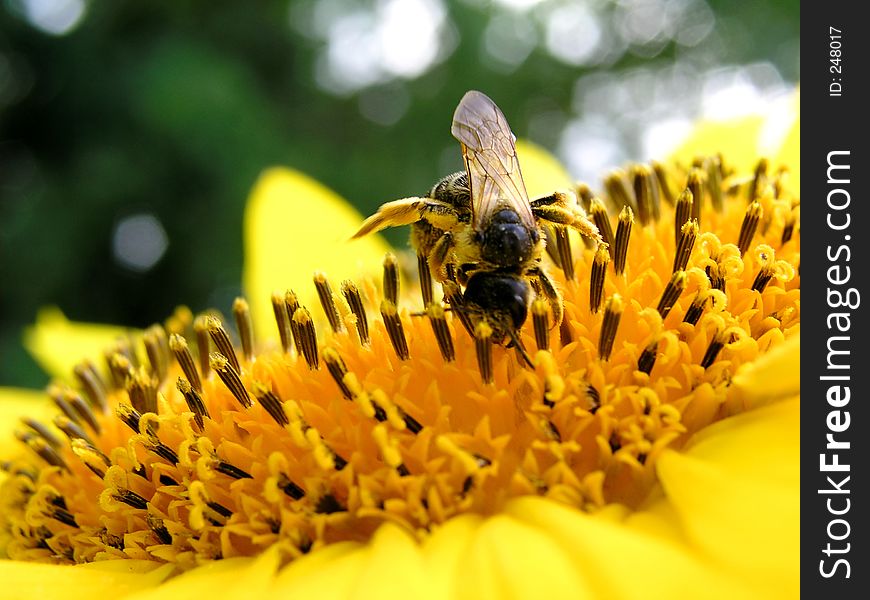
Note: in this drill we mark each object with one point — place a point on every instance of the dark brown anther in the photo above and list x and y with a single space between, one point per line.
685 244
759 180
286 485
623 235
618 191
666 192
222 342
129 415
282 319
231 470
716 345
230 377
354 301
483 348
425 279
765 274
272 403
194 401
682 213
753 215
696 184
44 432
563 249
541 322
337 369
646 193
566 332
453 295
83 411
92 384
131 499
696 309
306 337
178 345
597 275
672 293
291 301
327 301
71 429
602 222
245 326
612 314
203 344
155 348
121 368
42 448
647 358
438 321
391 279
788 230
59 396
584 195
713 166
142 390
394 329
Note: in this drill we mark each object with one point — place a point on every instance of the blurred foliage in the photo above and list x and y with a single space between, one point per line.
173 108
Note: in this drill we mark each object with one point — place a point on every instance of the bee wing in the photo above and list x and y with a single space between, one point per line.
490 153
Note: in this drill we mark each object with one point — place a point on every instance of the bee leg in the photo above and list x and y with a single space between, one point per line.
439 253
549 291
410 210
562 209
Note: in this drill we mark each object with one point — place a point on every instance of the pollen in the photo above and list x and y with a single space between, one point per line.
197 441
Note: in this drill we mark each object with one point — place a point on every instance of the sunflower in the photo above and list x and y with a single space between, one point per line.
349 444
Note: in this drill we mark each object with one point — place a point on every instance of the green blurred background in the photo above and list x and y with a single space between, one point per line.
131 132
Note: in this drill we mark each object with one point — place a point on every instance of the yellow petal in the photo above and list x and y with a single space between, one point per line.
737 495
229 578
394 568
443 552
293 227
510 559
775 375
58 344
331 572
736 139
790 149
619 562
106 579
542 172
17 403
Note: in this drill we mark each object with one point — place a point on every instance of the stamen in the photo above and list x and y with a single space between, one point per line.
759 180
645 190
354 300
58 396
597 274
391 279
647 359
425 279
602 222
286 485
672 293
230 377
92 384
696 185
483 348
541 321
272 403
584 195
291 301
83 411
231 470
662 179
131 499
453 295
43 449
563 249
765 274
142 389
200 327
788 229
159 530
685 243
43 431
612 314
282 319
696 309
617 190
337 369
245 326
713 166
683 212
306 337
194 401
179 347
222 342
623 234
129 415
566 332
394 329
154 340
716 345
327 301
438 321
71 429
754 212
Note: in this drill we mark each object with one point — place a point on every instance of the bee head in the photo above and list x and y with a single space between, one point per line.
506 241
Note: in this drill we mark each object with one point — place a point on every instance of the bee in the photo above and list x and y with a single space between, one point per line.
478 228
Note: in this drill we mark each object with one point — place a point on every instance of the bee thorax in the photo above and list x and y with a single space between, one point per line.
506 241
